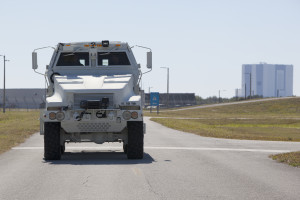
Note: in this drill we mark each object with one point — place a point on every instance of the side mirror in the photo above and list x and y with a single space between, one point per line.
149 60
34 60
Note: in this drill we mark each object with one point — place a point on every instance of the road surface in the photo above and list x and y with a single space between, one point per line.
177 165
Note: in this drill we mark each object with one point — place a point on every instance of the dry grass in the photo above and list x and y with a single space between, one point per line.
277 120
251 129
292 158
289 108
16 126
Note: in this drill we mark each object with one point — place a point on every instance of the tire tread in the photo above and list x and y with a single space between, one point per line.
52 147
135 147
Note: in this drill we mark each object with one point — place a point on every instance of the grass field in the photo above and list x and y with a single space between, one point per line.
276 108
292 158
16 126
269 120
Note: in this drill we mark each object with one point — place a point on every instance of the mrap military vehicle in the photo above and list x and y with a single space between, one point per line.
93 95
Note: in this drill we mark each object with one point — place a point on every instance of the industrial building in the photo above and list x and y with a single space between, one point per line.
266 80
35 99
175 99
23 98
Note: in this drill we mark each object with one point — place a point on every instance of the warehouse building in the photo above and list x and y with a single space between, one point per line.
23 98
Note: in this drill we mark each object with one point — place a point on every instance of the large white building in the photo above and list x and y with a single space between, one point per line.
267 80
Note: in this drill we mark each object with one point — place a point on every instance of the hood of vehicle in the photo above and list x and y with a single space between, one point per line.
88 82
120 87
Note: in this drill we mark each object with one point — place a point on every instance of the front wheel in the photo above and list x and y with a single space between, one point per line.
52 147
125 148
135 146
62 148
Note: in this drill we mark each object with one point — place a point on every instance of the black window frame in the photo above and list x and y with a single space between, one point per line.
111 57
70 62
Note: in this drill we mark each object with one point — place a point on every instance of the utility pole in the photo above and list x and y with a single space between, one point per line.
168 88
4 60
167 85
220 95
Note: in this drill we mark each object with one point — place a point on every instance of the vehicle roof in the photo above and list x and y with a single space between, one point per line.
92 44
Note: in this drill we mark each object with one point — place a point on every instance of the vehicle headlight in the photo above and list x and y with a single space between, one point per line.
60 116
52 115
134 115
126 115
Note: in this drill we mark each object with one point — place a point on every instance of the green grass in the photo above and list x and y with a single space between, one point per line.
292 158
277 108
277 120
16 126
272 129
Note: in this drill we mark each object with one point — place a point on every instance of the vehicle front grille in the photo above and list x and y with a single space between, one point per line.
93 127
88 97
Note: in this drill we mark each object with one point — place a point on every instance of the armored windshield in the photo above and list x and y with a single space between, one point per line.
74 59
112 58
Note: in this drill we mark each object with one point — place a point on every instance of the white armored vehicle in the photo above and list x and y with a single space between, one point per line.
93 95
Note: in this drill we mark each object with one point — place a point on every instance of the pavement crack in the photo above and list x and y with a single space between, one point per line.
152 190
87 180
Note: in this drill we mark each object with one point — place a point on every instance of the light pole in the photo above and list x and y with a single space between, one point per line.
149 89
250 86
167 85
4 60
220 95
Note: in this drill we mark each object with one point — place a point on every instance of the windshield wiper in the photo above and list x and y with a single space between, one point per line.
108 52
73 53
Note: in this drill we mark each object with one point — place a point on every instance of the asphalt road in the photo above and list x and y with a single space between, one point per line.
177 165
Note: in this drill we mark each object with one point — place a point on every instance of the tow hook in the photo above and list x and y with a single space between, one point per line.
76 116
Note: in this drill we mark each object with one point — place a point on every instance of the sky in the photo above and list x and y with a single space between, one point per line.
203 42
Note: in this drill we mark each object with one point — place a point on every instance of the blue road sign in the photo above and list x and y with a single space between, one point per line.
154 99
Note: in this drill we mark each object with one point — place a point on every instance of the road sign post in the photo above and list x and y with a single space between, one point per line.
154 101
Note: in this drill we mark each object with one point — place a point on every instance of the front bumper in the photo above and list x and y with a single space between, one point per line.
90 121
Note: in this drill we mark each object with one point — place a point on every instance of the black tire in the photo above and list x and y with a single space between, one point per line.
135 146
125 148
62 148
52 147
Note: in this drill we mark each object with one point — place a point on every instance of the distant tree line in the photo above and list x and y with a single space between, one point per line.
215 99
